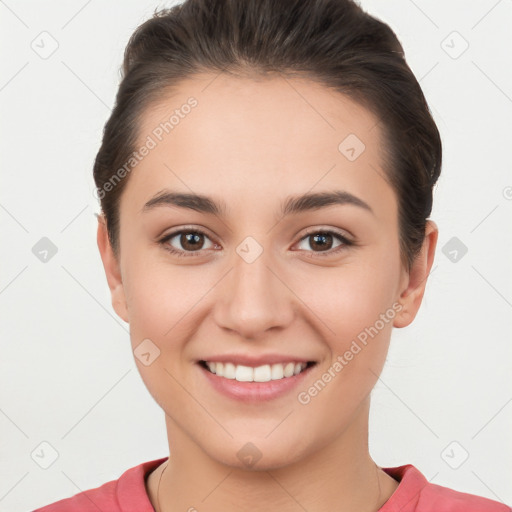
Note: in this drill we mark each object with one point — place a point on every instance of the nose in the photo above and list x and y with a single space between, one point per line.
254 297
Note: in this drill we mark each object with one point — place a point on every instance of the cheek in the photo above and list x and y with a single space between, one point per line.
355 308
347 300
358 311
159 295
161 305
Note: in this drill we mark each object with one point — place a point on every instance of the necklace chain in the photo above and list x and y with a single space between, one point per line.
158 488
162 474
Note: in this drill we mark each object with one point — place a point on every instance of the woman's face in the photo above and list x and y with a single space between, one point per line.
262 280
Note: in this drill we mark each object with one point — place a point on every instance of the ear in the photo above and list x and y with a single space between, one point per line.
112 270
415 281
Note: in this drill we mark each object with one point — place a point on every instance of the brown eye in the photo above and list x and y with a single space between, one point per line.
324 242
321 241
191 241
186 241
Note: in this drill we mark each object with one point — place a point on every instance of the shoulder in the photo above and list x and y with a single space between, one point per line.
127 493
416 494
443 499
99 498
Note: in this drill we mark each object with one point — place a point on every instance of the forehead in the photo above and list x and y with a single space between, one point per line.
258 106
215 133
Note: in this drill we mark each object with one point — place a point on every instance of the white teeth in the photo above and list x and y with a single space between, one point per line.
288 369
277 372
262 373
242 373
229 371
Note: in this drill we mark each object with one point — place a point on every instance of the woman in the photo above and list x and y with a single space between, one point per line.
265 181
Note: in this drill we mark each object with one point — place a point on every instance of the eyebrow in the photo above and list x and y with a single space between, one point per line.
293 204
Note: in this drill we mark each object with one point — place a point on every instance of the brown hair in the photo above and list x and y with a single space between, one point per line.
333 42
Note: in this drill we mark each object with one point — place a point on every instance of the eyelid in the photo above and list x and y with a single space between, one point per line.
345 240
344 235
185 229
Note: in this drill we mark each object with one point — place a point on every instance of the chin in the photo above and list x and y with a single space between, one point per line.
260 454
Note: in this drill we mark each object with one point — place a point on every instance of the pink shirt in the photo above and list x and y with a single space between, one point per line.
413 494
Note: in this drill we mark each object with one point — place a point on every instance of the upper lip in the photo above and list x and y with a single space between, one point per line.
255 361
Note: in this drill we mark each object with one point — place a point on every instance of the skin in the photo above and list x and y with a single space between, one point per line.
252 143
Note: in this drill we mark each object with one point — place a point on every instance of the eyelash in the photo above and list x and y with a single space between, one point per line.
345 243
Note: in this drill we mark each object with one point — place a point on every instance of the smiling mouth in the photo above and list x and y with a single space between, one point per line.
263 373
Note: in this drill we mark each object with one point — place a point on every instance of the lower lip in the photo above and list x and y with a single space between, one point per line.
254 392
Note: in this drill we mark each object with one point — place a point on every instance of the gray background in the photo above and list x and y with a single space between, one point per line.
70 390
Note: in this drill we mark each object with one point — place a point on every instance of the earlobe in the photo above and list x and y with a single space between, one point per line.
112 270
412 295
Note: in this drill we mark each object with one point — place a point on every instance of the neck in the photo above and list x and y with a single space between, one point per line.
338 476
